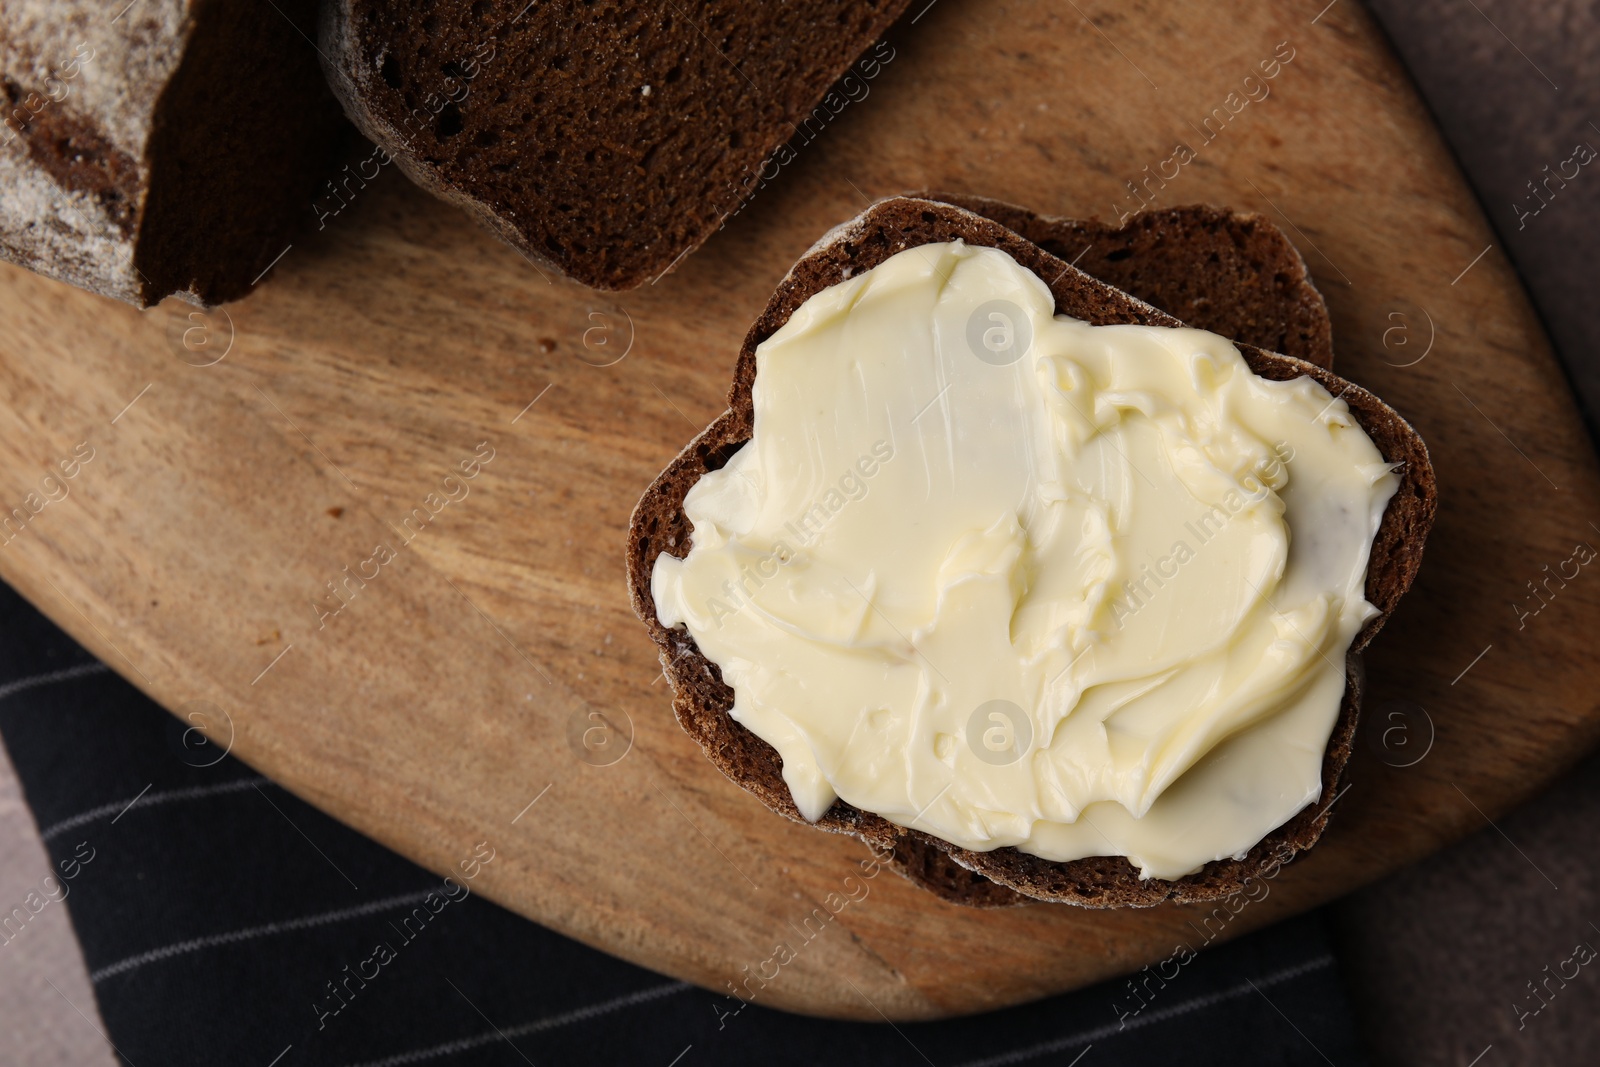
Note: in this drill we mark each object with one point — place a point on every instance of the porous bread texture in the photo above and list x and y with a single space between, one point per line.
170 149
1004 876
603 140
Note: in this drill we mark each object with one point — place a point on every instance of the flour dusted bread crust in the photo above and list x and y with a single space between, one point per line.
170 149
1004 876
605 140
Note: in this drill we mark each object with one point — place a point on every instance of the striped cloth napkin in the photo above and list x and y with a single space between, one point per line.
224 922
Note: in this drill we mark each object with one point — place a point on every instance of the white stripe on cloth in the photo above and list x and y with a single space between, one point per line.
168 796
82 670
1005 1059
249 933
549 1022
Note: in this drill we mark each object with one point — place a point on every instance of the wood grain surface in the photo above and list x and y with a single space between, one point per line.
493 662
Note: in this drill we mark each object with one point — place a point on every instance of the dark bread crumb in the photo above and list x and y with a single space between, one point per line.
702 700
606 139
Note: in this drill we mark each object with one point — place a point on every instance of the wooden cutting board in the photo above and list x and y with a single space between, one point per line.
493 662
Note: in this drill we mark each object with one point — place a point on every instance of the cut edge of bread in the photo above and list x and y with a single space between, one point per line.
1004 876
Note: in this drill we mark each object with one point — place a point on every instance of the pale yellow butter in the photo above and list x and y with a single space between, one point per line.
1013 579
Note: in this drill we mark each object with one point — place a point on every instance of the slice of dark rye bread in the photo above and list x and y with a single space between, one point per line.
171 149
606 140
1005 875
1230 272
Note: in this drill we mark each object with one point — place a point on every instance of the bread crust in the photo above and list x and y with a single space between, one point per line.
1230 272
173 150
1004 876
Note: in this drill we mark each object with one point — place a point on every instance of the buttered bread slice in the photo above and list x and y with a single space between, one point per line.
1027 573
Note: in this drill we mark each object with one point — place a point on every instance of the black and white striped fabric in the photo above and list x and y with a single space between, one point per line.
226 923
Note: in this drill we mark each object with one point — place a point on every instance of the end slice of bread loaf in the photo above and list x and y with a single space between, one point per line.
172 149
702 700
604 140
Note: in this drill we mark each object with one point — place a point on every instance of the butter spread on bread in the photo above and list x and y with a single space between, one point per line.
1011 579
